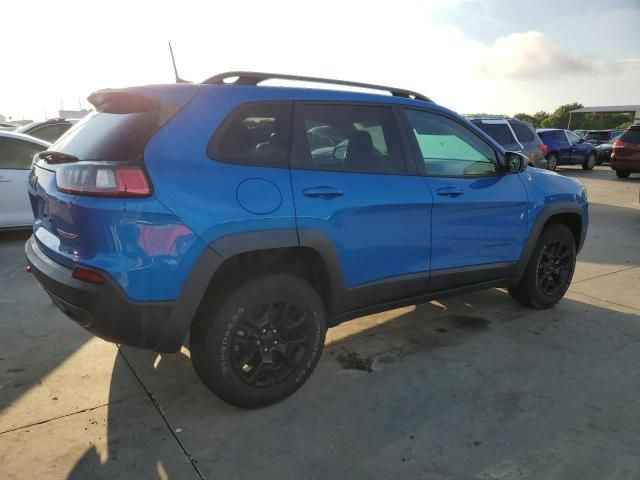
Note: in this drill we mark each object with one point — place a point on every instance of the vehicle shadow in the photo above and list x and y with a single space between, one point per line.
30 348
414 393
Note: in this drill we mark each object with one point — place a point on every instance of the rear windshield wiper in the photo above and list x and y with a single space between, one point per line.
52 157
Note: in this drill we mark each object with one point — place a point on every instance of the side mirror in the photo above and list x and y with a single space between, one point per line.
340 152
581 140
515 162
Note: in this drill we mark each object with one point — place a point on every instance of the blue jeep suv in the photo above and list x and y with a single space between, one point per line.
247 219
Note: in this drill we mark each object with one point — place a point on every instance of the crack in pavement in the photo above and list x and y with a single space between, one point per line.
604 300
42 422
159 409
605 274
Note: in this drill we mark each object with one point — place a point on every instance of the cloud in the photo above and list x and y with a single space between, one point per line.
529 55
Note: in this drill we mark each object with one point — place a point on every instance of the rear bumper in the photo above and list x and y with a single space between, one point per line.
104 310
625 164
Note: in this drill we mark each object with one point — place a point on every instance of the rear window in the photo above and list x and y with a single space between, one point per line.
115 137
523 132
631 136
597 136
500 132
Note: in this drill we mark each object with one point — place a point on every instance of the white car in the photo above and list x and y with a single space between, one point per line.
16 154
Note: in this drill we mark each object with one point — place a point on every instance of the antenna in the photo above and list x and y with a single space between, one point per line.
175 69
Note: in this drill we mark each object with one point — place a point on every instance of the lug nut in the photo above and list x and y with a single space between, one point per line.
266 349
275 342
264 331
257 342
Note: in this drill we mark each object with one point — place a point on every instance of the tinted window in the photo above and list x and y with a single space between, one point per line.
254 134
17 154
116 137
500 132
448 148
631 136
523 132
559 136
50 133
347 138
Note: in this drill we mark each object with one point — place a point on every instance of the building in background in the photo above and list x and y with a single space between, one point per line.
73 113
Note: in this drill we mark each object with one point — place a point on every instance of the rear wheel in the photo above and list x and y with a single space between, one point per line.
550 269
623 173
552 162
260 343
590 162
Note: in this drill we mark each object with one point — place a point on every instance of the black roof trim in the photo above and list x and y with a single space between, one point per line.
254 78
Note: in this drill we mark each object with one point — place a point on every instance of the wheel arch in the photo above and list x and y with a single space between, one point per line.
230 259
566 214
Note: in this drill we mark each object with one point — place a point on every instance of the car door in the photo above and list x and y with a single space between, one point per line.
479 214
357 196
563 146
579 148
16 156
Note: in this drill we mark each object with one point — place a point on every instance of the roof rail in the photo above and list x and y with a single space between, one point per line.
254 78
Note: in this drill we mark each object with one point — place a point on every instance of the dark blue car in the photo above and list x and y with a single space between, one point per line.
565 147
251 218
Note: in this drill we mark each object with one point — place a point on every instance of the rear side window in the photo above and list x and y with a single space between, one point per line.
500 132
347 138
50 133
559 136
523 132
631 136
448 148
17 154
254 134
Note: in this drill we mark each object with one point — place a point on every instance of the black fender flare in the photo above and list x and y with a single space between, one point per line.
215 254
536 230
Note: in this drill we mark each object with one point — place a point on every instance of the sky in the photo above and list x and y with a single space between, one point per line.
490 56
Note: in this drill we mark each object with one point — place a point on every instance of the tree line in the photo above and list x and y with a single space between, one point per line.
580 121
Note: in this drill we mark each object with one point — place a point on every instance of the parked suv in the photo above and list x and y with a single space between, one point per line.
603 141
514 135
566 148
212 211
625 158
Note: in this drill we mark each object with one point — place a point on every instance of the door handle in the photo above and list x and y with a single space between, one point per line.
449 192
322 192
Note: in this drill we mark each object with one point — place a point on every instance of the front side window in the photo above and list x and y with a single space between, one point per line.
17 154
573 138
559 136
254 134
448 148
350 138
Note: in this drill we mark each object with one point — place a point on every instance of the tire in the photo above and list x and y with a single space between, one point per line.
533 288
552 162
590 162
238 361
623 173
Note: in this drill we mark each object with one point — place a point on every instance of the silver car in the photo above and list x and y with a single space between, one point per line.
514 135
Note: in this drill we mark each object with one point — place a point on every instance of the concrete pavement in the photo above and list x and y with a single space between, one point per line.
473 386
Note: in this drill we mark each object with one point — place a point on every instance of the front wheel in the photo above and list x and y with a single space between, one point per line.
260 343
623 173
550 269
552 162
590 162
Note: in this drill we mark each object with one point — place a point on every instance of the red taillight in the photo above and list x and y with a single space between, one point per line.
619 144
87 275
543 148
103 179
